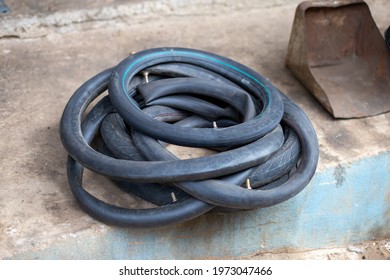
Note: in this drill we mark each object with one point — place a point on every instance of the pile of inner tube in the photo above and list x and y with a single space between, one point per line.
265 149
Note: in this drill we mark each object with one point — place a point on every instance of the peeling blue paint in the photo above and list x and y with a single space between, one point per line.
328 213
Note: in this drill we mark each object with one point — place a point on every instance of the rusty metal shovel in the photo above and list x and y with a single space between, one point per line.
338 53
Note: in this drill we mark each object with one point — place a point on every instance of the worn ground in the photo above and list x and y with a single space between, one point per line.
52 52
369 250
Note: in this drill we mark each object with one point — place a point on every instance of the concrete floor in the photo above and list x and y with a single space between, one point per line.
42 66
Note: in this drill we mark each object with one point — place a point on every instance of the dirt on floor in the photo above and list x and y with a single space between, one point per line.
41 67
369 250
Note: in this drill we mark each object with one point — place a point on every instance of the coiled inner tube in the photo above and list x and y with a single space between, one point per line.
265 149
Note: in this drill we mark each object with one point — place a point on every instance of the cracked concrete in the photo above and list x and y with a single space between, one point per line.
63 45
37 18
369 250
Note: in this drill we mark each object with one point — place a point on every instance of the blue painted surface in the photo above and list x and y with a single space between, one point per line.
342 205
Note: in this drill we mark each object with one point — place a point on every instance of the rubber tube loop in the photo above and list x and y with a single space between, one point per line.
242 112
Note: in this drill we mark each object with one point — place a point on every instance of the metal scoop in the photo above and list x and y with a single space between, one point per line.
338 53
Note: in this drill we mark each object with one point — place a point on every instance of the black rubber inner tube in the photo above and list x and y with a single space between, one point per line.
387 37
265 147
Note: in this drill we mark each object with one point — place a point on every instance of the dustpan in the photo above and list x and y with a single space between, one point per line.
338 53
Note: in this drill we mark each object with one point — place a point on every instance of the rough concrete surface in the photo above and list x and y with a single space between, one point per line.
369 250
42 66
38 18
